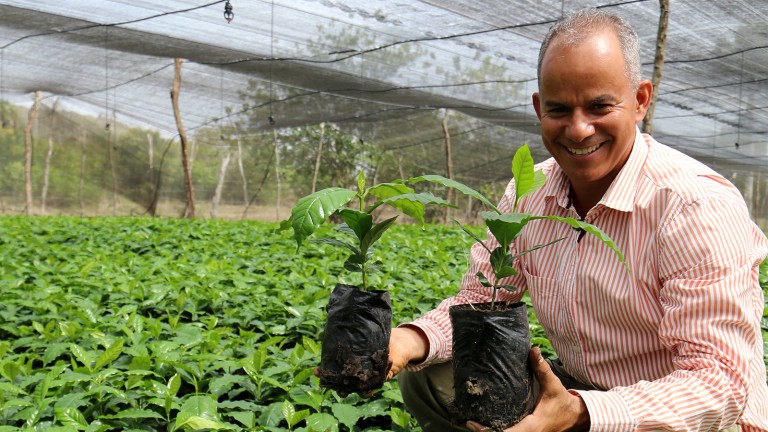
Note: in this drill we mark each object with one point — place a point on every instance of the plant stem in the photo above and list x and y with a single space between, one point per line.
365 285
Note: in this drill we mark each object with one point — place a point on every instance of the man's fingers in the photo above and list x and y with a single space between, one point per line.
477 427
542 370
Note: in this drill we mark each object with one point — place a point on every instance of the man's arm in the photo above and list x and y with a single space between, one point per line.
407 344
711 304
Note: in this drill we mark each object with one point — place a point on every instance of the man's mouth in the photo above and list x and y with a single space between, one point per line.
583 151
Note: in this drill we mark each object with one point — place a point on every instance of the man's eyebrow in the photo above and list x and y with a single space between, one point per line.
602 99
554 104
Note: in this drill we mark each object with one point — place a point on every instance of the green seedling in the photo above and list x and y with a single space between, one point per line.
313 210
506 227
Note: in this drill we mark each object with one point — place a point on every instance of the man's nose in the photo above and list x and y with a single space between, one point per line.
579 127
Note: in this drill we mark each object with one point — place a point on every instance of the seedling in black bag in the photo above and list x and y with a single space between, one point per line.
355 349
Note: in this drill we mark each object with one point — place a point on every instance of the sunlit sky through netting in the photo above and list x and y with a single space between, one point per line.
380 65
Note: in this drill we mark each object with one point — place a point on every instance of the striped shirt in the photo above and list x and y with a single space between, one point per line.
676 342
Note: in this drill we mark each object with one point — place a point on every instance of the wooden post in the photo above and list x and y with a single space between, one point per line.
190 211
111 142
661 44
242 169
448 162
31 117
48 156
277 174
81 187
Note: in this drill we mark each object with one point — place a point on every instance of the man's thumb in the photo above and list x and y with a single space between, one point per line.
541 369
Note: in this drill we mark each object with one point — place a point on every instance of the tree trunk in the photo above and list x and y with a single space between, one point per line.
242 170
152 208
111 142
220 184
82 171
658 62
32 116
46 170
318 157
448 163
277 175
190 210
47 167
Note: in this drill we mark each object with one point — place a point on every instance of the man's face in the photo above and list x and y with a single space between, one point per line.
588 109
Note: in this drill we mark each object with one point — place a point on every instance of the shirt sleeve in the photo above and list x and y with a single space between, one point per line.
436 324
712 303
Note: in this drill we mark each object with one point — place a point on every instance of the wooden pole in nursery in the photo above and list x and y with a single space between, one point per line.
48 156
661 44
190 210
448 162
31 117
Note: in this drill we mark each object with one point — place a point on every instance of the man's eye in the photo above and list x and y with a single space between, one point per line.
601 107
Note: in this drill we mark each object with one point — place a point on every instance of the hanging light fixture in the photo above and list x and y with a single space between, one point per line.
228 14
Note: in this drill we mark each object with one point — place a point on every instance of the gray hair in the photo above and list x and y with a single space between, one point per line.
577 25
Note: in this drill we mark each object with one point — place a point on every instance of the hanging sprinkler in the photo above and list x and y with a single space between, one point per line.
228 14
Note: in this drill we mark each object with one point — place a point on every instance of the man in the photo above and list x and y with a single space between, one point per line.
674 344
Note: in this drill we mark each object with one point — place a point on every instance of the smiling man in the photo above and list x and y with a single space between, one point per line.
674 344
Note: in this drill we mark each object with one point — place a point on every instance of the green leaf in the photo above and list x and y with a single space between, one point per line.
199 412
81 355
288 411
272 415
374 234
311 345
336 242
348 415
361 182
246 418
351 266
466 190
71 417
133 413
383 191
311 211
412 204
109 355
322 422
506 227
537 247
360 222
292 416
501 263
526 182
194 423
400 417
393 395
484 280
603 237
174 383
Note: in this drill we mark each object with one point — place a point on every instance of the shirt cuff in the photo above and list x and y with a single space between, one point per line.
607 411
435 343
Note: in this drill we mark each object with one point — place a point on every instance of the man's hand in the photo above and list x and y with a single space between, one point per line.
557 409
406 344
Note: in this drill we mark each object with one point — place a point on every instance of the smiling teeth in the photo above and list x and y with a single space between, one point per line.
585 151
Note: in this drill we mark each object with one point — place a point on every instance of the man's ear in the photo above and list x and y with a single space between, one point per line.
536 106
643 97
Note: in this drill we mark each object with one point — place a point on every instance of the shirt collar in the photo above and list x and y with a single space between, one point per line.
616 197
